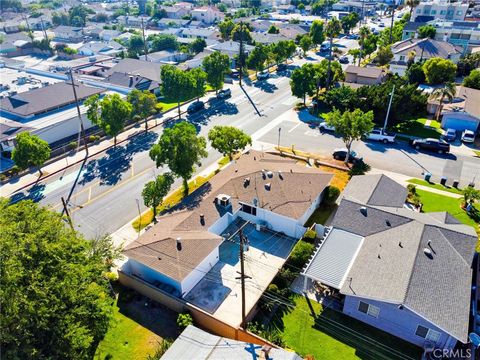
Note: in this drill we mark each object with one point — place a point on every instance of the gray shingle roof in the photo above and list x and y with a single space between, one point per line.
146 69
427 47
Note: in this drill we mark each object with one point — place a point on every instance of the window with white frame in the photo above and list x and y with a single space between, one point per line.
427 333
368 309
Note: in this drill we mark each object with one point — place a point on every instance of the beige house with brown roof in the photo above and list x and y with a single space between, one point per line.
271 192
364 75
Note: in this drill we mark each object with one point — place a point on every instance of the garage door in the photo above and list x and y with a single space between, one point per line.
460 124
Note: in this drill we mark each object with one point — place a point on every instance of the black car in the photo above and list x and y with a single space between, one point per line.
430 144
195 106
223 94
341 154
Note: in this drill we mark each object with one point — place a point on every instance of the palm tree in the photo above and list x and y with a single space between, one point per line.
448 91
332 29
412 4
364 32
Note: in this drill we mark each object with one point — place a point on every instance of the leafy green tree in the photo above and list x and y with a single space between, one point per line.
155 191
384 55
257 58
199 80
305 44
332 29
78 15
342 98
439 71
415 74
350 125
216 65
54 297
427 31
226 28
228 140
412 4
162 42
197 45
470 195
242 31
442 93
282 50
181 149
30 150
302 83
356 53
135 45
472 80
363 34
273 29
177 85
144 104
349 22
316 32
109 113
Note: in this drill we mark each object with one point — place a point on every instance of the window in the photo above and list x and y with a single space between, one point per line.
368 309
442 12
427 333
252 210
433 12
402 58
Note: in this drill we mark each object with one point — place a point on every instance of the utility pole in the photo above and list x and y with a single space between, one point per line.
30 33
389 106
145 47
82 129
241 54
242 276
65 210
279 132
391 22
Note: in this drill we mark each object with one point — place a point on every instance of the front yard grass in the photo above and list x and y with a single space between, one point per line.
333 335
435 186
417 128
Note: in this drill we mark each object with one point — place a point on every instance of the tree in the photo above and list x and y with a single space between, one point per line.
356 53
320 73
242 31
472 80
363 33
154 192
384 55
438 71
470 195
282 50
177 85
78 15
305 44
349 22
415 74
110 113
257 58
332 29
350 125
55 301
181 149
301 82
342 98
135 44
30 150
440 94
162 42
273 29
199 80
228 140
412 4
216 65
197 45
427 31
144 104
226 28
316 32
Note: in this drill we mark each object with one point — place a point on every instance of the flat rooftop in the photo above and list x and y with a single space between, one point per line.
21 81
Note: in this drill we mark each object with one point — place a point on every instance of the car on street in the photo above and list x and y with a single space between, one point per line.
343 60
225 93
263 75
325 46
450 135
381 135
234 74
323 126
195 106
341 154
431 144
382 25
468 136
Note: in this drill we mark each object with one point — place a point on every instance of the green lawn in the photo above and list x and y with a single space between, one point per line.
333 335
417 128
435 186
167 106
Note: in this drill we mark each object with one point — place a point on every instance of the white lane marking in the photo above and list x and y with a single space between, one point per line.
293 128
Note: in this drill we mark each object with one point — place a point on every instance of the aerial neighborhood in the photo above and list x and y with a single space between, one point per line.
284 179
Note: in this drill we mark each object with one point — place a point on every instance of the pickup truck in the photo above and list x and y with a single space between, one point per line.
381 135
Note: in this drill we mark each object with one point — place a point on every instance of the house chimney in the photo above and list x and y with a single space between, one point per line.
179 244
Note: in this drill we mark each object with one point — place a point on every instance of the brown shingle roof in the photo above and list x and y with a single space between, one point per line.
290 194
370 72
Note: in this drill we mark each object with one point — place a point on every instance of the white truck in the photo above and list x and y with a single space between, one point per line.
381 135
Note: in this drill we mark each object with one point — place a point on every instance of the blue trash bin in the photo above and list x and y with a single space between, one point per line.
428 177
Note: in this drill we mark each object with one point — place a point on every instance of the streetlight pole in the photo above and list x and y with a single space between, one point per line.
389 106
139 216
279 132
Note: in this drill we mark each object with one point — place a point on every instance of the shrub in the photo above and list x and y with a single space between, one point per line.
111 276
3 177
309 236
360 168
92 138
331 195
72 145
412 189
300 254
183 320
272 288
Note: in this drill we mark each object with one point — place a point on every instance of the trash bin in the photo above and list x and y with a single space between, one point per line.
428 176
455 184
443 180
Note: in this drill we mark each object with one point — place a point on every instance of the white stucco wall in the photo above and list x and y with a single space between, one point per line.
196 275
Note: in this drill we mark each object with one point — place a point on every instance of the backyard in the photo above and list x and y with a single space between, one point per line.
332 335
136 330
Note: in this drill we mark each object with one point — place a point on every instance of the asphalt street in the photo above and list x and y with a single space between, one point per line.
109 186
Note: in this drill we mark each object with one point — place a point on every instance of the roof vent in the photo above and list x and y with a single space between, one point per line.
268 186
363 210
428 252
264 174
223 200
269 174
246 182
280 175
400 244
179 244
255 201
202 219
388 222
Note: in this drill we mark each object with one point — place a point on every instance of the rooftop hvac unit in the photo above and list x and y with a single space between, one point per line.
223 200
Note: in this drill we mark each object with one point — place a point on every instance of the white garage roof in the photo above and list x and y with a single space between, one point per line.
334 257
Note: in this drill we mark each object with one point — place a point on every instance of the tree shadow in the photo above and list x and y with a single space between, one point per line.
265 86
35 193
376 146
194 199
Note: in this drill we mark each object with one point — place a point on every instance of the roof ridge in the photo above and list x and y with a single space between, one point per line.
450 244
414 263
375 188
